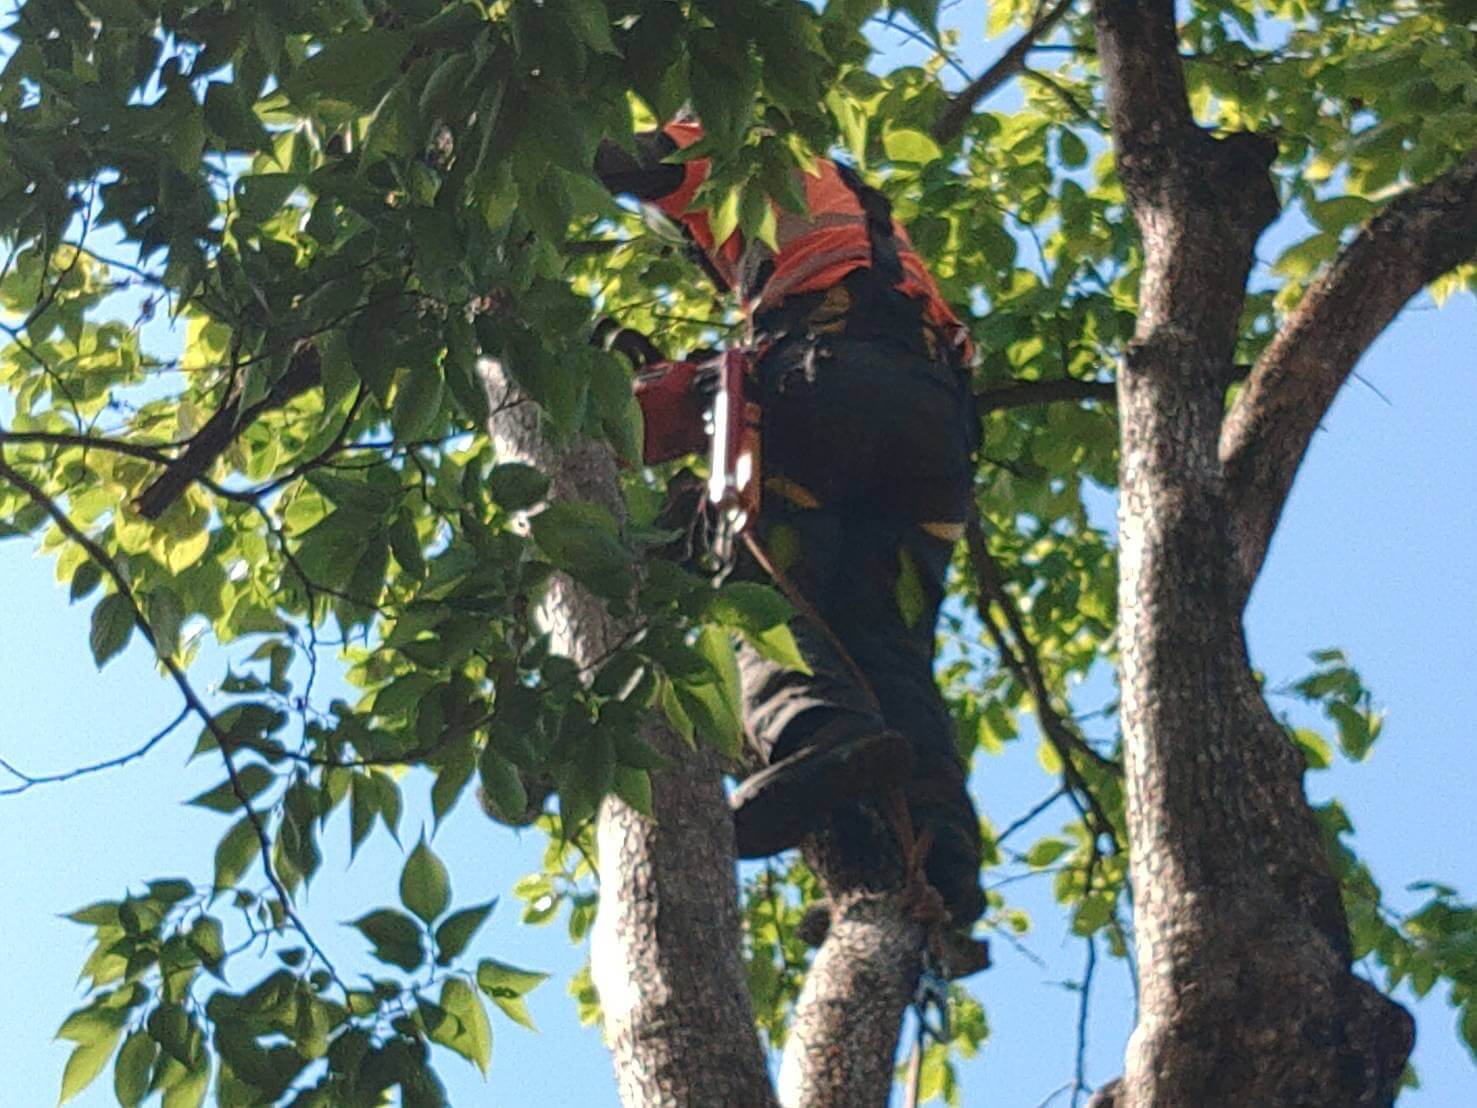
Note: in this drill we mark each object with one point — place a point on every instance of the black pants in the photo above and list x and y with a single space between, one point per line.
864 442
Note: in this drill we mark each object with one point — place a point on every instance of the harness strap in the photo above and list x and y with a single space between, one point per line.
880 235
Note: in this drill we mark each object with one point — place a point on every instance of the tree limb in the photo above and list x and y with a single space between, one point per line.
222 429
1420 235
1243 912
952 119
1024 394
843 1037
665 948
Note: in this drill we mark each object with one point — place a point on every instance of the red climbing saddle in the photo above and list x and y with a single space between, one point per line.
692 407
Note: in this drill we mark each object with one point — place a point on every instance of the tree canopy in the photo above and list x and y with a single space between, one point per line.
341 206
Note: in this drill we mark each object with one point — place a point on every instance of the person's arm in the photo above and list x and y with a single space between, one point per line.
644 174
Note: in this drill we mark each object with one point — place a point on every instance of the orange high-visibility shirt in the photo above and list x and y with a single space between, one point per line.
815 252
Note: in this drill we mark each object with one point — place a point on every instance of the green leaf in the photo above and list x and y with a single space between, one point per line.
350 67
1094 913
425 887
451 780
778 645
1315 748
417 403
456 932
131 1071
207 939
259 196
230 116
190 1090
912 601
1072 149
87 1061
634 787
581 539
515 487
112 624
635 752
712 701
1046 852
748 606
396 938
904 145
86 578
506 987
498 979
235 853
165 613
502 785
591 22
406 543
254 778
725 218
462 1023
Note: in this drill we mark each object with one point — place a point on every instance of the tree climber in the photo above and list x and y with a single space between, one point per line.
868 428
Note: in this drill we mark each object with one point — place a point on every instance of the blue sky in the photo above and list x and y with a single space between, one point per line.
1375 555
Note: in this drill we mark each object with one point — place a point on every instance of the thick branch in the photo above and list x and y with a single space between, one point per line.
665 949
1024 394
1246 991
1420 235
844 1035
221 430
952 119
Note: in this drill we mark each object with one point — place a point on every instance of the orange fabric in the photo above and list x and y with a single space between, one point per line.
813 254
675 206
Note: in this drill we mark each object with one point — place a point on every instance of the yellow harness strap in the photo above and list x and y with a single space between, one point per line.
949 532
796 493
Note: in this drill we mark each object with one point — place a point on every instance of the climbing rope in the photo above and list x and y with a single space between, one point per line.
931 996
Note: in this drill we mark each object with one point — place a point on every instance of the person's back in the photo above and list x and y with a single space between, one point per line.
868 431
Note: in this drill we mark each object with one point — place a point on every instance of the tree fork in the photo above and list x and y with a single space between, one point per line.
665 947
1247 995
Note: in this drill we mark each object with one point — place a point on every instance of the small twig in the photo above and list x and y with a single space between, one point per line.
149 452
1084 998
1045 1102
1060 91
186 690
1036 810
1026 667
28 781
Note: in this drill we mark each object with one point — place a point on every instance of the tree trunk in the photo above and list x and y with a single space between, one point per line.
1247 995
665 948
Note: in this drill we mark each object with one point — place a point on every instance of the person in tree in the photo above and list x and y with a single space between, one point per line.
868 428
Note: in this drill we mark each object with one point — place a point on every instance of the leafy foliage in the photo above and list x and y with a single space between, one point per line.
397 188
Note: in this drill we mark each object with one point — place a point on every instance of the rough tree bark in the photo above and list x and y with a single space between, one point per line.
665 949
1247 994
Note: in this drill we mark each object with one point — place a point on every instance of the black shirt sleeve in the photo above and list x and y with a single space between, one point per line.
643 175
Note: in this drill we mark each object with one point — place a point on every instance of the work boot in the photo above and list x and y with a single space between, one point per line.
780 805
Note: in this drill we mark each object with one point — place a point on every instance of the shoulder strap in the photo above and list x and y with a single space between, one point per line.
878 211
